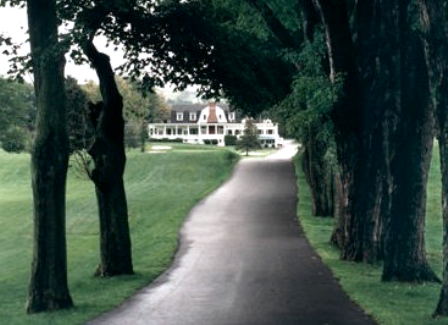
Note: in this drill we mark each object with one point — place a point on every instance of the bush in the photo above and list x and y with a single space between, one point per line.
230 140
178 140
211 141
15 140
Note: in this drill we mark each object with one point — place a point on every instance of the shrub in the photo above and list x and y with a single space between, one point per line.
230 140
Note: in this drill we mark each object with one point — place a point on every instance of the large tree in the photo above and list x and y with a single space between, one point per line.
435 31
109 157
48 288
407 113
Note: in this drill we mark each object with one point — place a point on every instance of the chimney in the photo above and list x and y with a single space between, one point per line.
212 118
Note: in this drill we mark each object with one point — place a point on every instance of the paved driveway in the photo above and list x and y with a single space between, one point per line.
244 261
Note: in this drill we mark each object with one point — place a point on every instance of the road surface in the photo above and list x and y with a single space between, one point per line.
244 260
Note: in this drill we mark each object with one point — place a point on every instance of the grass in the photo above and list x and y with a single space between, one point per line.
161 189
388 303
258 153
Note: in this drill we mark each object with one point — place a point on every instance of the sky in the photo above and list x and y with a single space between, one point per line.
13 23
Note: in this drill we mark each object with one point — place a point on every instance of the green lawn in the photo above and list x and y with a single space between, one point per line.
161 189
389 303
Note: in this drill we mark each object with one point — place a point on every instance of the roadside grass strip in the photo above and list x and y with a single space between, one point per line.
161 190
389 303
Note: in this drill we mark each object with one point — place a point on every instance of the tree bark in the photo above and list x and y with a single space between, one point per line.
372 198
405 126
347 117
108 154
318 174
48 289
409 134
433 17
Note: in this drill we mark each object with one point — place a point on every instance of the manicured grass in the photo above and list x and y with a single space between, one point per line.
161 189
389 303
258 153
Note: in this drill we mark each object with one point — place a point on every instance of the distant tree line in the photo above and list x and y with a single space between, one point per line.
18 113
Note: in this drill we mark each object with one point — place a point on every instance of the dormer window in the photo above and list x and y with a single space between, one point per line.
179 116
232 116
192 116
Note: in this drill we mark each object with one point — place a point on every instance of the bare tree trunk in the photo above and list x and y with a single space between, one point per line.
347 117
372 200
48 289
409 127
435 31
318 174
109 156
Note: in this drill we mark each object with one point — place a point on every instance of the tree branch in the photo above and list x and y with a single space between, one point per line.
274 24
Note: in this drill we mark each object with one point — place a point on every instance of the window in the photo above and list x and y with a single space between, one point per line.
232 117
192 116
270 131
179 116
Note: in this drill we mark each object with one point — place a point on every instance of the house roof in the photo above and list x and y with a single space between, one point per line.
196 107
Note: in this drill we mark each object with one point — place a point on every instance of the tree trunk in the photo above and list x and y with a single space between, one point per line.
48 289
372 199
435 31
347 117
409 134
318 175
358 231
108 153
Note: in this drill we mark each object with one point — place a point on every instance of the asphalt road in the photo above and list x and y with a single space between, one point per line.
243 260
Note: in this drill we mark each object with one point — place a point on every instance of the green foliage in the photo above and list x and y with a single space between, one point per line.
139 109
313 94
230 140
307 108
161 189
15 139
17 114
79 127
249 140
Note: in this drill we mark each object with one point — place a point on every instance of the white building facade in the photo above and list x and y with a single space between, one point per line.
199 124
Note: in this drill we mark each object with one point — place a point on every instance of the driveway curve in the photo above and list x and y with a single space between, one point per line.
244 260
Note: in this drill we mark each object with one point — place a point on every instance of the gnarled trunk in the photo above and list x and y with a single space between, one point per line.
48 289
109 156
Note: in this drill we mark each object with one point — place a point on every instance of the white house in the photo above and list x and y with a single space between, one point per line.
210 124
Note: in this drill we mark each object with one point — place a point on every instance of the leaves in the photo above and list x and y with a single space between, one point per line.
17 114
